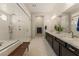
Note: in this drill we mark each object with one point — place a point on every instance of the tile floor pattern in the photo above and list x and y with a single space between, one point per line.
40 47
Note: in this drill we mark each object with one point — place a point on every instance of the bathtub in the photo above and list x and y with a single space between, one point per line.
8 46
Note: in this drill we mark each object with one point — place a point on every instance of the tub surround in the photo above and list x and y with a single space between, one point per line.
5 44
8 46
66 37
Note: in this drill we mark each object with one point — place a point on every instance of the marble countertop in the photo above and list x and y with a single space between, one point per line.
66 37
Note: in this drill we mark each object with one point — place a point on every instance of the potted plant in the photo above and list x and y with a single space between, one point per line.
58 28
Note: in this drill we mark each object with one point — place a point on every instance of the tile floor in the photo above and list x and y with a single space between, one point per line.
40 47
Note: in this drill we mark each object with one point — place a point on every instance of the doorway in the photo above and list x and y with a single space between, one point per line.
39 30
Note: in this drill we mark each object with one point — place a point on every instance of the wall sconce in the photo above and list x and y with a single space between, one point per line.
3 17
54 16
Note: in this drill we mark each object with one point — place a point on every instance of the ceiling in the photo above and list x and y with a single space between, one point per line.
73 9
45 7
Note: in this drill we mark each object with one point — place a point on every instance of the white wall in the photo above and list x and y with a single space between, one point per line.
4 30
50 23
37 21
54 22
63 21
47 22
19 20
44 21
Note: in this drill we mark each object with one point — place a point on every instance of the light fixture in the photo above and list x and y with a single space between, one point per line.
3 17
53 17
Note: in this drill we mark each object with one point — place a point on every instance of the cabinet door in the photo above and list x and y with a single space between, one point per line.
50 41
56 46
53 38
66 52
48 37
45 35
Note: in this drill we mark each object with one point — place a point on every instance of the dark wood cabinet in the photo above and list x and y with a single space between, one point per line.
60 47
66 52
49 39
69 50
56 47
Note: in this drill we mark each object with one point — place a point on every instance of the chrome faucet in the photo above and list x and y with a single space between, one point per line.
72 34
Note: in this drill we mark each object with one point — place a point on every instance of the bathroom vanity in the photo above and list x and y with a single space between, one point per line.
63 45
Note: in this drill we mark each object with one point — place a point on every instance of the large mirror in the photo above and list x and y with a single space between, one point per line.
75 25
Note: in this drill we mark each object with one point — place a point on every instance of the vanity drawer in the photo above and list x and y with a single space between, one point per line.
72 49
66 52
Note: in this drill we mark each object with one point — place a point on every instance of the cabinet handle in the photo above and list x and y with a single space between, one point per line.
71 49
